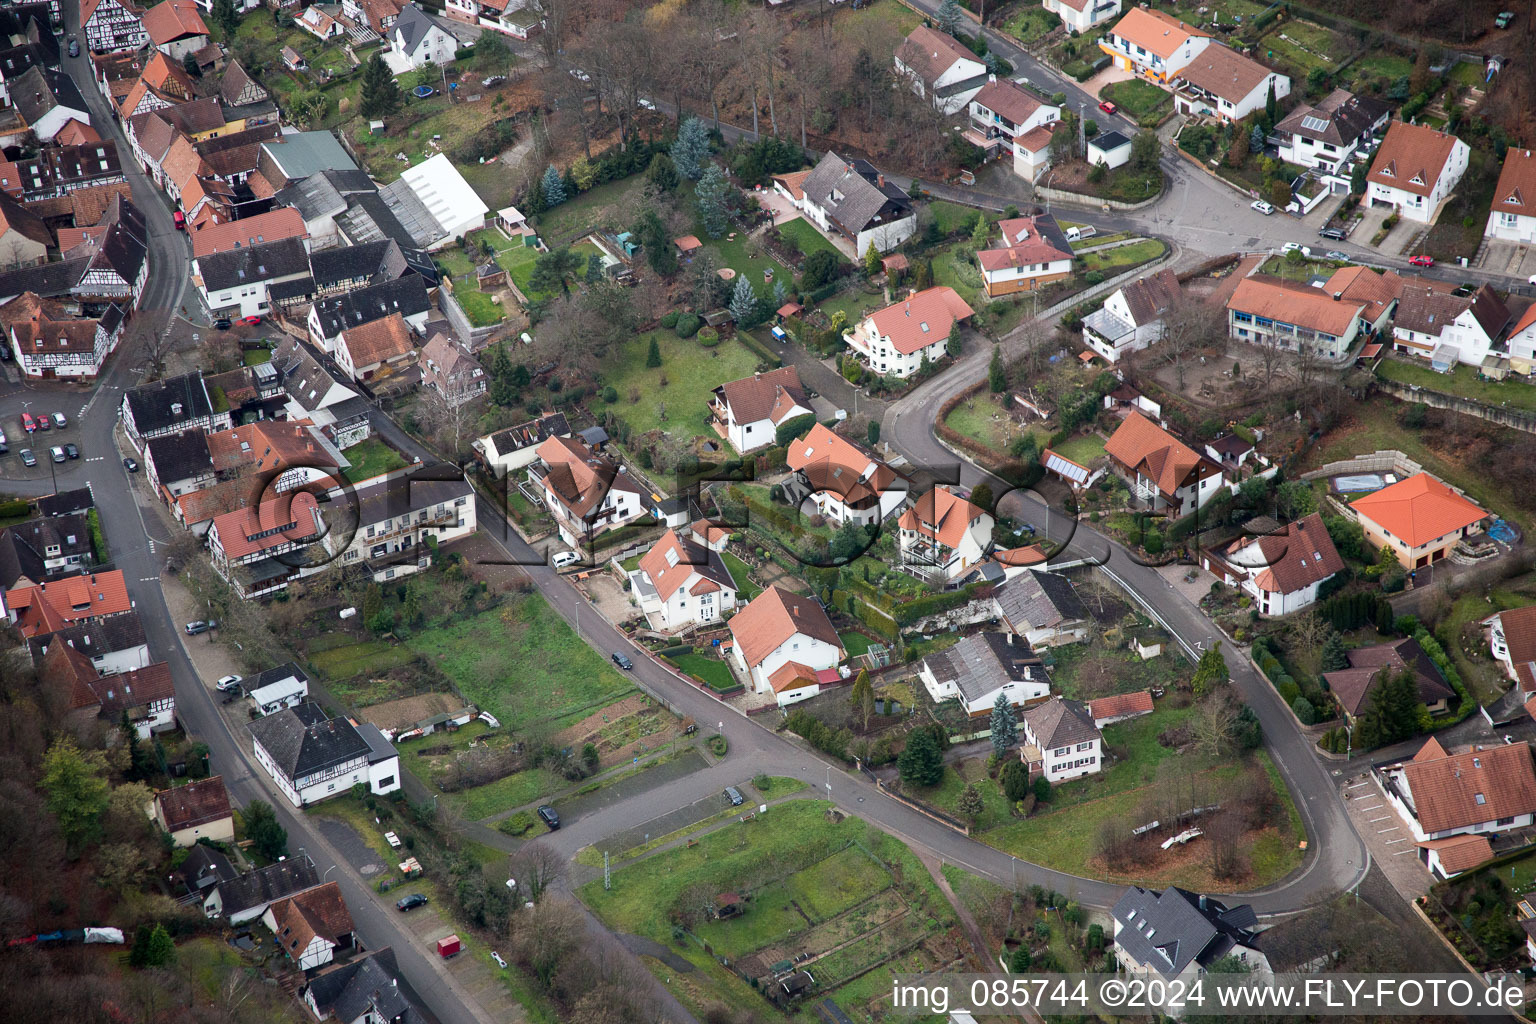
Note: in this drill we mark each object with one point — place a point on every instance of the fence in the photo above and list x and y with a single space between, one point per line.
917 805
1384 461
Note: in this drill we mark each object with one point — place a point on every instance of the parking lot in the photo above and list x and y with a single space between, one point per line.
1389 843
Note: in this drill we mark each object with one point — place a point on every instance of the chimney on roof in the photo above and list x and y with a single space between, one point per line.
882 179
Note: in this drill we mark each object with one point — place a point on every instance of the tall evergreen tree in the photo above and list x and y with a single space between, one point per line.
780 294
690 149
594 268
997 378
1005 727
922 763
380 94
554 187
1270 107
1210 672
743 301
224 16
953 345
1334 656
871 260
662 173
949 17
653 355
713 192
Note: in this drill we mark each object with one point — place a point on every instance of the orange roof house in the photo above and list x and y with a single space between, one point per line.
310 925
175 20
945 532
285 222
848 483
1468 792
1154 43
781 638
1282 570
924 316
49 607
1162 470
1119 707
1513 215
1457 854
1420 519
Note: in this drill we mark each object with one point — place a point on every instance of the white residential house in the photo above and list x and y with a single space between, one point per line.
1448 329
1032 151
941 69
681 582
1060 740
1033 253
1266 310
420 40
943 536
199 810
515 448
854 200
586 493
1162 471
1522 343
1043 607
847 483
1081 15
236 282
112 25
1175 935
1131 318
1326 136
1512 641
1512 218
1222 82
1153 44
1485 790
398 513
1003 112
375 348
897 340
982 666
1415 170
1281 571
311 757
310 926
520 19
749 411
782 641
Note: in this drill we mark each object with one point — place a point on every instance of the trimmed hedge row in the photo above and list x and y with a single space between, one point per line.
757 348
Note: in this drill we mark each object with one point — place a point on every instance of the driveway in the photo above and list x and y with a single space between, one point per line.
1109 76
1390 844
782 209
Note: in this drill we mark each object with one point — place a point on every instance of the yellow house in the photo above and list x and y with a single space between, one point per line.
1420 519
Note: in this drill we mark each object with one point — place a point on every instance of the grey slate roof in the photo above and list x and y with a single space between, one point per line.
377 261
248 264
299 287
151 403
287 670
39 89
65 502
205 867
94 639
47 281
862 196
1060 723
1039 600
180 456
368 983
532 433
305 380
412 213
264 885
423 487
302 741
1170 929
1343 117
369 218
124 248
406 295
300 154
412 26
985 662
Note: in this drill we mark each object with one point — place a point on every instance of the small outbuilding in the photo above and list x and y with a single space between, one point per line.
1112 149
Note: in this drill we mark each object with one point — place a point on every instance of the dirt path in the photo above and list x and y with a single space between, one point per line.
985 957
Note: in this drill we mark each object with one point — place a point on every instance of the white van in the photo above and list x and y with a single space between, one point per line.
564 558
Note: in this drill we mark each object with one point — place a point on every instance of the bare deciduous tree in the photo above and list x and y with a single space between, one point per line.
1222 835
1189 328
1212 727
536 867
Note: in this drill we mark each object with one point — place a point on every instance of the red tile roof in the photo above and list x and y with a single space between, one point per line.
1516 190
1411 158
49 607
1467 789
791 676
942 515
1142 446
1418 510
320 912
673 561
922 319
1297 557
770 396
377 341
1154 31
929 53
837 466
773 617
1520 637
286 519
1010 100
1120 705
1460 853
172 20
284 222
1297 304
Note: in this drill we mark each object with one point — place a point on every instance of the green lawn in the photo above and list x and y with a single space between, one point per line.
1082 449
518 263
482 312
1107 260
774 786
609 206
1030 24
950 216
456 263
523 664
691 371
956 267
712 670
1462 381
855 643
1388 65
853 302
370 458
741 573
807 239
256 356
981 420
1140 100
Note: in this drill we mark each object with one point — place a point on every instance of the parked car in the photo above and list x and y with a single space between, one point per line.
622 660
549 816
493 80
645 104
4 448
222 324
393 840
72 451
227 684
1296 247
250 321
1265 208
130 465
1108 107
43 422
178 220
74 48
1422 260
733 795
200 626
57 453
28 423
1334 254
1334 234
564 558
27 458
411 902
3 438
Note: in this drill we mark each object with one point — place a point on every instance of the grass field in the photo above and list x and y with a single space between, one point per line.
1082 449
610 205
370 458
1106 260
692 372
256 356
855 643
712 670
950 216
742 575
482 312
1388 65
523 664
775 786
807 239
956 267
1030 24
979 419
343 660
1140 100
1461 381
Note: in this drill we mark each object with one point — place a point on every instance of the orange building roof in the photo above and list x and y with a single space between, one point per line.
49 607
943 516
776 615
922 319
1419 510
1146 448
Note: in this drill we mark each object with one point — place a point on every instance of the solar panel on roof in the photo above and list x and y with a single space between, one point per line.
1314 124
